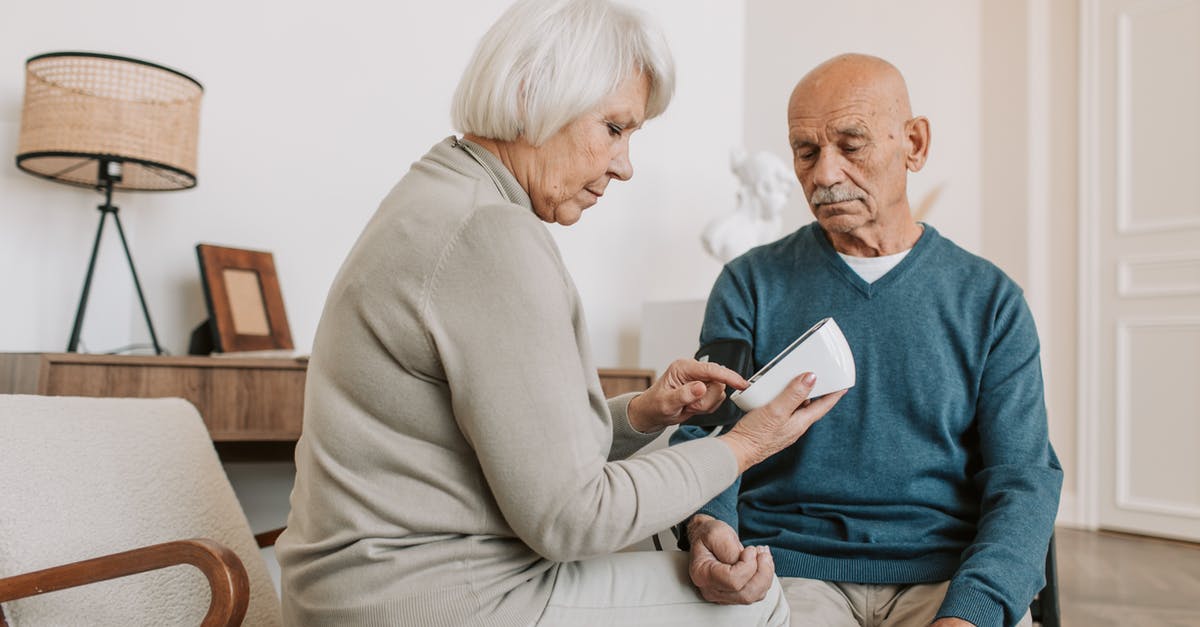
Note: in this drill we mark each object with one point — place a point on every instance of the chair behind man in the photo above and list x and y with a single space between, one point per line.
86 477
1044 609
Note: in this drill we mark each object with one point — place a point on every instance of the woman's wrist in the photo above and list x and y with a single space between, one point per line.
637 417
744 449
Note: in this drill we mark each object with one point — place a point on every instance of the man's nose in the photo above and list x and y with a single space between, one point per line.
828 170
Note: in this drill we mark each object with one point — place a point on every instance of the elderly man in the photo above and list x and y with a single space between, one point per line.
928 495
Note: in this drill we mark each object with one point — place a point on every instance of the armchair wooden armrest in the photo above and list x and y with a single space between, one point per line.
220 565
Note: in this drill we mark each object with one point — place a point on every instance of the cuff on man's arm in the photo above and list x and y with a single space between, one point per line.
714 509
971 604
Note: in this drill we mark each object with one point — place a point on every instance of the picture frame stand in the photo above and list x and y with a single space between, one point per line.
245 304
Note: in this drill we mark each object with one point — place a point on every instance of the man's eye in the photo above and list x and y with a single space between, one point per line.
851 149
806 155
614 129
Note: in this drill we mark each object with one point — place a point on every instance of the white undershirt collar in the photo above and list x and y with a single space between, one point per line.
872 268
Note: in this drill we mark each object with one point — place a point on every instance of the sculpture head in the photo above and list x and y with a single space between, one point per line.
766 182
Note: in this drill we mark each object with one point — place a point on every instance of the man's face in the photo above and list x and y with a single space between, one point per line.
849 153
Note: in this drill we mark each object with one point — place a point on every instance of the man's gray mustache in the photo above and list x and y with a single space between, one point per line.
830 195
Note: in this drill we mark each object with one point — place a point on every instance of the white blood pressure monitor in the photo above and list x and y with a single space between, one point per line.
821 350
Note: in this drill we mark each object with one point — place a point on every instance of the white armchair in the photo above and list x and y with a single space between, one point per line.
94 491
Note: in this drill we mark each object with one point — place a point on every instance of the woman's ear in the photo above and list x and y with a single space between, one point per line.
916 143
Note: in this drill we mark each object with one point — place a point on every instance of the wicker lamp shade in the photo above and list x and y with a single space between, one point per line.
83 109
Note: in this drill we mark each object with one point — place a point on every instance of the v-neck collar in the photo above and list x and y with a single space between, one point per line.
847 274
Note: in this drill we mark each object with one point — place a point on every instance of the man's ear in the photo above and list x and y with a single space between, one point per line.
916 143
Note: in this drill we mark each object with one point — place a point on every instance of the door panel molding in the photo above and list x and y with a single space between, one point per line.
1127 222
1131 273
1125 498
1135 275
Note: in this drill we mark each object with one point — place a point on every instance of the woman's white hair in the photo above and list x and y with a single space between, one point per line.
546 62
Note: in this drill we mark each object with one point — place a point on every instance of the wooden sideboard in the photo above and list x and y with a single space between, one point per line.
253 406
618 381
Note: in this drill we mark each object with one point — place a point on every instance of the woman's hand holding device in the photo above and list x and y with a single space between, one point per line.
822 350
779 405
776 425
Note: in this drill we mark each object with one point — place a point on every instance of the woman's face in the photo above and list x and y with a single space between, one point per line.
570 171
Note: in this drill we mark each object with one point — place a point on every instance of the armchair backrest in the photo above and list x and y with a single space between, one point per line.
84 477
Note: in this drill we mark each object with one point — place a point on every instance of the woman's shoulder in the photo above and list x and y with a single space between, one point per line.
437 203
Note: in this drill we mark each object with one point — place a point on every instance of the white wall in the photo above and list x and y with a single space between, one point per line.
934 43
310 115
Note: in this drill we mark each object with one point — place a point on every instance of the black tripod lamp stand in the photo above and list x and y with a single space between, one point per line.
109 122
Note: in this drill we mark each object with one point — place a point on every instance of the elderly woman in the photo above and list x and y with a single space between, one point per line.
459 463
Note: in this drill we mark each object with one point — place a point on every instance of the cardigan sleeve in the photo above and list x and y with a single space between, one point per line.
508 327
626 439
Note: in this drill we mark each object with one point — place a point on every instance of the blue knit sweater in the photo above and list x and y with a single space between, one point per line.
936 465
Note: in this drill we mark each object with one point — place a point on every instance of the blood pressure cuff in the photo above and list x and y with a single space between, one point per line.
738 357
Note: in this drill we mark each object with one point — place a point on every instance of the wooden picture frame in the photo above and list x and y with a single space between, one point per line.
245 304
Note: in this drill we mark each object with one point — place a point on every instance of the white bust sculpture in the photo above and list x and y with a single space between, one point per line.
765 183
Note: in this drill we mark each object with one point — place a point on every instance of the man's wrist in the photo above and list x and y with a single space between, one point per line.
693 526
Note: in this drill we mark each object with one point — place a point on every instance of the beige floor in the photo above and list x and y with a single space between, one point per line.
1118 580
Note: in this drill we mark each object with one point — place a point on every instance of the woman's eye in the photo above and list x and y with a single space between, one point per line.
614 129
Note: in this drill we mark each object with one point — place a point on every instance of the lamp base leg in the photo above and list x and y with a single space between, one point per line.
138 285
77 327
73 344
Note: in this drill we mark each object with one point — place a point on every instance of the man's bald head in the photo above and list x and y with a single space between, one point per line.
856 76
854 140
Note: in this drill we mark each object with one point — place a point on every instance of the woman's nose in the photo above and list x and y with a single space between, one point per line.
620 167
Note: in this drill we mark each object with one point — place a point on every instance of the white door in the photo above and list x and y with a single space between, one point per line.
1141 161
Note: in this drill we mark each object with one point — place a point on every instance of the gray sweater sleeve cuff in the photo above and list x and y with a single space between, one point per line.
626 439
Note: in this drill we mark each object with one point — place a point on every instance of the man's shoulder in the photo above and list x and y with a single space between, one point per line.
784 250
965 265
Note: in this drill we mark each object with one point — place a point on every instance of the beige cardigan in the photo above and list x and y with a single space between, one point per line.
457 444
